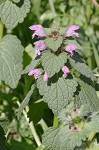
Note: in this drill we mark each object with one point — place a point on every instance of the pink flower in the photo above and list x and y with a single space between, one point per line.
40 47
35 72
70 48
45 77
65 70
39 31
71 31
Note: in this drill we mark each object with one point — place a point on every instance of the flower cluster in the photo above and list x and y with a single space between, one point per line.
40 46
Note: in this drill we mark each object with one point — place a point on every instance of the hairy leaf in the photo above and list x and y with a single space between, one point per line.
11 14
54 44
25 101
52 63
62 138
88 97
57 94
79 65
11 52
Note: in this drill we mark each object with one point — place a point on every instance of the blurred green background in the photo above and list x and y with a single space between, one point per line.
46 12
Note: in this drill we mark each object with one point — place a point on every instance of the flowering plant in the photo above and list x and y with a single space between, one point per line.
60 110
63 81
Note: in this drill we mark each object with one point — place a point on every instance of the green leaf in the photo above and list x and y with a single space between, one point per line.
36 111
78 64
35 62
30 52
88 97
25 101
62 30
63 138
94 124
11 14
54 44
16 145
11 52
57 94
2 139
52 63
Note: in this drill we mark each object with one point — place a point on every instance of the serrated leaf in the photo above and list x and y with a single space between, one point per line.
78 64
94 124
88 97
54 44
32 65
11 14
52 63
57 94
26 100
63 139
11 52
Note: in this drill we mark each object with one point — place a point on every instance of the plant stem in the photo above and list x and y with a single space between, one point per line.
55 121
1 30
52 7
43 124
96 55
31 125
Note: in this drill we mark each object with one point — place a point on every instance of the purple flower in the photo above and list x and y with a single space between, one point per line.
45 77
40 47
39 31
36 73
71 31
65 70
70 48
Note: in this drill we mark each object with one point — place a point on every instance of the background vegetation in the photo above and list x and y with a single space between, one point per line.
85 13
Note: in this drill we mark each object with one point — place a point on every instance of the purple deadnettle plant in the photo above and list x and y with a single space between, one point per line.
60 91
